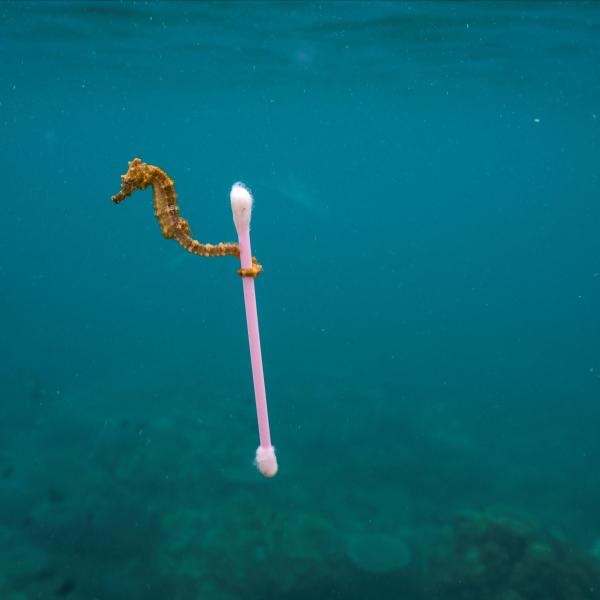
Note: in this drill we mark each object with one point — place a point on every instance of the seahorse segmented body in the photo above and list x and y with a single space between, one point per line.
141 175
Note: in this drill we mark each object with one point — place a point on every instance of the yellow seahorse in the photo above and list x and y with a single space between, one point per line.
141 175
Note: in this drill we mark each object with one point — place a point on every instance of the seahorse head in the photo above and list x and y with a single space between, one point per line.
136 178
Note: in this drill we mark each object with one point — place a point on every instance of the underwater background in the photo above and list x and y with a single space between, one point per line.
427 211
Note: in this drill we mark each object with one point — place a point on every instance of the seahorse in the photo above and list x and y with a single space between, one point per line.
173 226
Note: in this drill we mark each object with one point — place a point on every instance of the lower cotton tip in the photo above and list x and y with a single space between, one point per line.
266 461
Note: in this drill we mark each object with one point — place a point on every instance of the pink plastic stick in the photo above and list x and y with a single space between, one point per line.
241 204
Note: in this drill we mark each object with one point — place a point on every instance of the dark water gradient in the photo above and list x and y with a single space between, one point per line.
427 183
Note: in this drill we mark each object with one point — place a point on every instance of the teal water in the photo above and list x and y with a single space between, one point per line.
427 187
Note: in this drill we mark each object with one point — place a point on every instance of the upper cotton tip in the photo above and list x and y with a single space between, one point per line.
241 205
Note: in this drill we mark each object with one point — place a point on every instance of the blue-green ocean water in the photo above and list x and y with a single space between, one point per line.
427 212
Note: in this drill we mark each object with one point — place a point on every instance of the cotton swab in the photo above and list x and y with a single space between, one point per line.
141 175
241 205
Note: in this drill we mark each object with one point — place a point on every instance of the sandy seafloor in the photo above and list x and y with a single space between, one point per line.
427 184
151 502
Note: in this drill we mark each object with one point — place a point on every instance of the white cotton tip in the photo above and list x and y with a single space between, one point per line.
266 461
241 205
